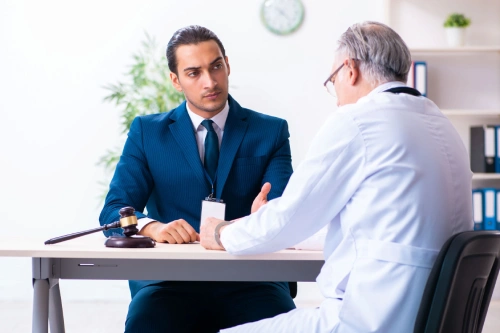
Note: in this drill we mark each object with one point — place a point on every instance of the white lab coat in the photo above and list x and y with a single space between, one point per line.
391 177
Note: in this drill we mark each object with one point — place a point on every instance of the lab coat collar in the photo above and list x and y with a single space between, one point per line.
384 86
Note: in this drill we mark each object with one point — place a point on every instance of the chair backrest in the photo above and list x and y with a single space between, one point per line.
293 288
458 291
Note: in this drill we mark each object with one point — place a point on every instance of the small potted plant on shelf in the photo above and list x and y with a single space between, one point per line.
455 26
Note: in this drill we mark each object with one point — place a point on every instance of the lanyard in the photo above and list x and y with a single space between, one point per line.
212 183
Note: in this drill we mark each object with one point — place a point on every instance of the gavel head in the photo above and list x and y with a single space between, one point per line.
128 221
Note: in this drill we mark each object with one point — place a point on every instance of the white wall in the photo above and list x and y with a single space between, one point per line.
55 57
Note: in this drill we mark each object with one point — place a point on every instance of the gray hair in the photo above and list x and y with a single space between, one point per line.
382 53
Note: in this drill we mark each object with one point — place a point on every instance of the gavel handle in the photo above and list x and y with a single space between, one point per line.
83 233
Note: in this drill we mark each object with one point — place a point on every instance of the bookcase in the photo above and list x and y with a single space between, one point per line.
463 81
475 104
464 114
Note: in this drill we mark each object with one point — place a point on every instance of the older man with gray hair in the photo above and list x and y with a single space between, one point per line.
387 173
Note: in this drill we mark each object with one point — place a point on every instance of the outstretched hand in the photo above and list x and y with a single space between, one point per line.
261 199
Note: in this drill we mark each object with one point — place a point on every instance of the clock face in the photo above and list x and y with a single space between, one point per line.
282 16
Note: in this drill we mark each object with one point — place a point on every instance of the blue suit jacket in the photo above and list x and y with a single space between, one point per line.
160 167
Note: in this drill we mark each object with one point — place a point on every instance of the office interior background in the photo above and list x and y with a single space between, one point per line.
56 57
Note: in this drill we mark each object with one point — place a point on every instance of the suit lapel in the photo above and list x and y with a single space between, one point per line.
234 132
182 131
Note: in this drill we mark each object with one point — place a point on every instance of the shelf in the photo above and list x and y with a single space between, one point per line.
447 50
469 113
486 176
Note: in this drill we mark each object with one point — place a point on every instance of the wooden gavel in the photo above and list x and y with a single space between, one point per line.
128 222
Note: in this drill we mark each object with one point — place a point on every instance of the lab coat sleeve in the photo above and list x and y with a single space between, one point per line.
314 243
317 191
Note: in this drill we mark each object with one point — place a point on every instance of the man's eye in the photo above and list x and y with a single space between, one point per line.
218 66
192 74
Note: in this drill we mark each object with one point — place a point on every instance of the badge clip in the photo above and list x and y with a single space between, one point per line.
211 198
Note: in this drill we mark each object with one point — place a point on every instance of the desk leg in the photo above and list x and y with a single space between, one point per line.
40 306
56 318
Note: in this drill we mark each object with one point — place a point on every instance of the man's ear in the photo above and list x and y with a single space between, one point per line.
227 64
175 82
353 74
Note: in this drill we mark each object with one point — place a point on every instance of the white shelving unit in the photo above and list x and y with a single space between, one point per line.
462 119
486 176
456 50
464 81
471 113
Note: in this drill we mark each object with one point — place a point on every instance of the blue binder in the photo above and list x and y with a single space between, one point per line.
477 209
497 149
489 206
498 209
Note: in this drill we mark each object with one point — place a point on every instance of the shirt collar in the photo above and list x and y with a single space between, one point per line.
219 119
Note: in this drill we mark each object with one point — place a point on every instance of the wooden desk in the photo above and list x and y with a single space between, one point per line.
88 258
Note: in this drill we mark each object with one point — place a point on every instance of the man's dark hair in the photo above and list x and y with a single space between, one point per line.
192 34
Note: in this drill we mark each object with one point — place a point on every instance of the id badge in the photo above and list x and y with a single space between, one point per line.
212 208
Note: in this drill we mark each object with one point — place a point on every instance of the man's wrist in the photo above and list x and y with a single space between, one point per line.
218 230
149 229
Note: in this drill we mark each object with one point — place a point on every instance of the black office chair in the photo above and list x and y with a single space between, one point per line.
458 291
293 288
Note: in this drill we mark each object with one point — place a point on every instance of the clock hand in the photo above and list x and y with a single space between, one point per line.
282 13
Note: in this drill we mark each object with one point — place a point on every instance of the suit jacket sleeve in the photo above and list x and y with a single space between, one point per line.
132 182
279 168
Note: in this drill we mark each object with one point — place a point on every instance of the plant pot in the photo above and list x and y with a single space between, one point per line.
455 36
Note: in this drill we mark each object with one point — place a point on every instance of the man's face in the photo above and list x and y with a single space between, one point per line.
340 89
346 85
202 77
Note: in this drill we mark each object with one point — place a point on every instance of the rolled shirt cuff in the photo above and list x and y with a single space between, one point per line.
141 223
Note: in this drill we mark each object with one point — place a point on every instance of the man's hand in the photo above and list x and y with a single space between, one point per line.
175 232
261 198
207 231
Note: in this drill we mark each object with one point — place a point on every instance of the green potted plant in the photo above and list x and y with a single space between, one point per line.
146 89
455 26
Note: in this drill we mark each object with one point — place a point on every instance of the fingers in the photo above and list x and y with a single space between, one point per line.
211 220
167 238
266 188
178 232
261 198
264 191
176 235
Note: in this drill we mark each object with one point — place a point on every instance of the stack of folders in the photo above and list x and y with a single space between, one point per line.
486 208
485 149
417 76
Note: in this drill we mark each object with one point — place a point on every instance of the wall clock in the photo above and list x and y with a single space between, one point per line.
282 17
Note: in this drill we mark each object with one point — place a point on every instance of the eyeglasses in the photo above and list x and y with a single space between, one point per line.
331 81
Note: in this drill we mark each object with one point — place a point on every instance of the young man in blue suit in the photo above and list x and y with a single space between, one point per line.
209 145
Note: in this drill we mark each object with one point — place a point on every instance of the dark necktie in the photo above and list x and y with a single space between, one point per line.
211 149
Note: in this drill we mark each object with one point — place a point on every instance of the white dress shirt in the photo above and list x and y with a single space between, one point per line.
200 132
219 121
391 177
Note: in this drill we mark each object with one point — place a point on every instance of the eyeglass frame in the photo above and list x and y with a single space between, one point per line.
332 75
